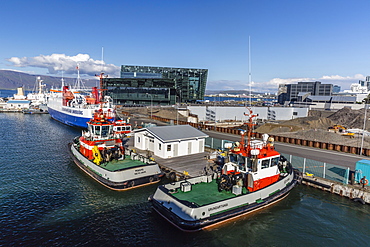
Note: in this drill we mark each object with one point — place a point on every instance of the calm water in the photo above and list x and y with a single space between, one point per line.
45 200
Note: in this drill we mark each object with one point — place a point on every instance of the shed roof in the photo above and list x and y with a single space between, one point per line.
174 132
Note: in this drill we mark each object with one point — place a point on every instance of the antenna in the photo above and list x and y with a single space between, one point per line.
250 71
62 79
102 59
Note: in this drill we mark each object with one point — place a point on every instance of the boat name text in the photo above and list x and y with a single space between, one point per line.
79 112
139 171
219 206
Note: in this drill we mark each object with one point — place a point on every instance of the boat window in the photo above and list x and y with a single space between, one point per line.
241 162
233 157
105 131
97 130
168 147
159 146
249 163
138 139
265 163
274 161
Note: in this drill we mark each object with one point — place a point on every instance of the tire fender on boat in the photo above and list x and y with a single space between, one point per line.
172 176
360 200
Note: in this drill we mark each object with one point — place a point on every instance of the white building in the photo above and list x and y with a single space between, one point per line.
170 141
221 113
17 104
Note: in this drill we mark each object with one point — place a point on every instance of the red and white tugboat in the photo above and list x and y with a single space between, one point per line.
100 152
255 177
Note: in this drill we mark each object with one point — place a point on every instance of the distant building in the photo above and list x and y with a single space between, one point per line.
336 89
145 85
293 90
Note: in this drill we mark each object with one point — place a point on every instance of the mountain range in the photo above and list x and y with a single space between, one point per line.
12 79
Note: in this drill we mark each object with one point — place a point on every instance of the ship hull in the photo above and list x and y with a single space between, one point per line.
123 179
189 217
68 119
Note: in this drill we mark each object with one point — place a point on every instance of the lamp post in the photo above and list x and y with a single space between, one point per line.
363 129
151 105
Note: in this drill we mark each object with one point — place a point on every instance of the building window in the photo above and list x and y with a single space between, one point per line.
168 147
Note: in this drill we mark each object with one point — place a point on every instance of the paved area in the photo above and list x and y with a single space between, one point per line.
192 164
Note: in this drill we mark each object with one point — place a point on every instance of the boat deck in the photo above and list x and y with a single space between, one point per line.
204 193
116 165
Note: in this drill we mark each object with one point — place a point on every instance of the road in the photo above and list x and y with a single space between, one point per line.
328 156
322 155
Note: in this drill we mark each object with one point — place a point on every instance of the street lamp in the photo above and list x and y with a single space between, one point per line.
363 129
151 105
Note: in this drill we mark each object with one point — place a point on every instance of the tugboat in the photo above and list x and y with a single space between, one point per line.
100 152
255 176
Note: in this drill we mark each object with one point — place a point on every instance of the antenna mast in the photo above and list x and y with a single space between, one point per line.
250 72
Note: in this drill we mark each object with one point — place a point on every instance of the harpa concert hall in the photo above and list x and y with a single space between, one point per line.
145 85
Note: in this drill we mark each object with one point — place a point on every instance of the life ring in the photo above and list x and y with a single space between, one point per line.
364 181
151 179
97 155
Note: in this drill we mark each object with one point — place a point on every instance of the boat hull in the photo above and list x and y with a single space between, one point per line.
69 119
184 216
152 173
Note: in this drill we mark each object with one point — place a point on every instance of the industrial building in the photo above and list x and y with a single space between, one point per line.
146 85
290 92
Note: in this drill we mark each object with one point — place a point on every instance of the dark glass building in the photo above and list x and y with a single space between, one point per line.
144 85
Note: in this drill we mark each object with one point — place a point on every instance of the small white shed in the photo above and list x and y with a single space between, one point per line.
170 141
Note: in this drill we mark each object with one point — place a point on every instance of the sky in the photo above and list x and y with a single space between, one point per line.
289 40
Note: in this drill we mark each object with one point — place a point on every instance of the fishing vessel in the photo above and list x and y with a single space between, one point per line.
100 152
76 106
255 176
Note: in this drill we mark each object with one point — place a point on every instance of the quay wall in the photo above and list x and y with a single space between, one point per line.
353 192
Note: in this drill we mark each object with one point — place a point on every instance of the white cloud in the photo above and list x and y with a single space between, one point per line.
55 63
272 85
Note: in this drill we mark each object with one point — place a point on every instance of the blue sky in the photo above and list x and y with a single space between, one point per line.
291 41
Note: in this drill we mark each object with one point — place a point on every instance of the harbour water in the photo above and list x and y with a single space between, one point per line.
45 200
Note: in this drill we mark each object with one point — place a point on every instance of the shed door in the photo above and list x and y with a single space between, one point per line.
151 144
201 146
189 147
175 150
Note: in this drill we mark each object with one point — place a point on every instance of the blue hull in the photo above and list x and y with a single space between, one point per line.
73 121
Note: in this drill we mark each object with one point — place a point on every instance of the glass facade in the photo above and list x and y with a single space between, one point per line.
146 85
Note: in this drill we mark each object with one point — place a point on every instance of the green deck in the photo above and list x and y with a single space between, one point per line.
116 165
204 193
